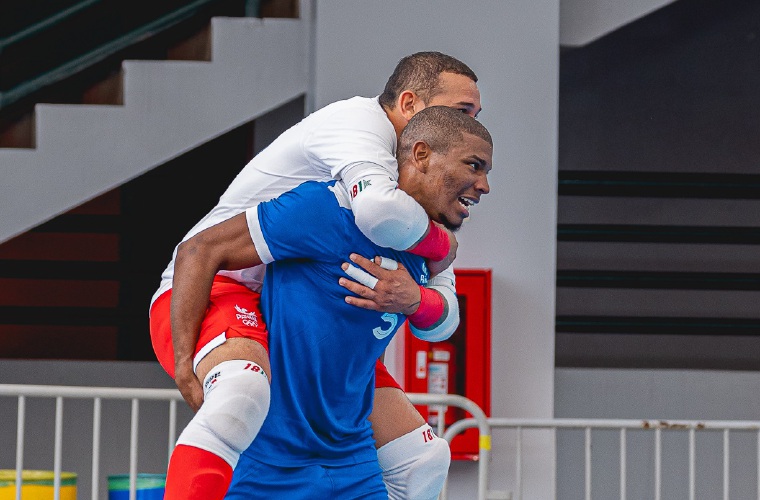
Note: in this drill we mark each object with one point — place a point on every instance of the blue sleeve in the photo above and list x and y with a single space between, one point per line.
305 223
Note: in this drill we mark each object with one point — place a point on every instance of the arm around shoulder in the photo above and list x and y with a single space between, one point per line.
388 216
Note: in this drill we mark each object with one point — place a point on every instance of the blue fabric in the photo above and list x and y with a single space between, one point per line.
322 350
258 480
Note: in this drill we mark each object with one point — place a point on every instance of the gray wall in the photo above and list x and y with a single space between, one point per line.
657 394
582 21
513 47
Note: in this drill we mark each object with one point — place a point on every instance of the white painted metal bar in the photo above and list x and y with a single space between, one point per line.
619 424
58 450
20 419
22 392
623 465
657 464
518 463
587 462
67 391
133 450
692 464
172 426
96 413
726 460
481 422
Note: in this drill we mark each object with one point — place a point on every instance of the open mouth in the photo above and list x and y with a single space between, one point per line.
467 203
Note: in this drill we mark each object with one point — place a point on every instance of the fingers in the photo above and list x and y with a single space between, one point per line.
368 265
361 276
389 264
191 390
357 288
371 272
373 267
193 397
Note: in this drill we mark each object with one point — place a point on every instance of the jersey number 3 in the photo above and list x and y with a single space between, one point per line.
379 333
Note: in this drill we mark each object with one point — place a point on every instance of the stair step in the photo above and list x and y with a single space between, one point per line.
663 325
658 280
169 108
659 184
658 234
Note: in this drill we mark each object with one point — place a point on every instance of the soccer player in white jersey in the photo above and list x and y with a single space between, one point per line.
317 441
353 141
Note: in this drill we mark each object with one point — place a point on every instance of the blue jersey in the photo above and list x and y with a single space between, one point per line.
322 350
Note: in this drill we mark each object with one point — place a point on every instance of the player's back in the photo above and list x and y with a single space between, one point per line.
322 350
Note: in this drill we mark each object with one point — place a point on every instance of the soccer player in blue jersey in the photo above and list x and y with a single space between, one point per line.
317 441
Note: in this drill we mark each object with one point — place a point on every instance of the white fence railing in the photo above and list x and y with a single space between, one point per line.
485 426
691 427
97 394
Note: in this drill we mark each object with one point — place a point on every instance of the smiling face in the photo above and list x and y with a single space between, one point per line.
456 180
444 157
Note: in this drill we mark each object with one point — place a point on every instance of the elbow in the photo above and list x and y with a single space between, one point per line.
440 331
380 219
449 320
191 252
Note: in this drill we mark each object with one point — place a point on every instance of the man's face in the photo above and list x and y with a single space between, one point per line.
457 180
458 92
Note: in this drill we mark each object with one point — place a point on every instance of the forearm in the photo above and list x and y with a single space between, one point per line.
191 288
227 245
446 320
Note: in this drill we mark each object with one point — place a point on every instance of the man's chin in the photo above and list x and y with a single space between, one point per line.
451 226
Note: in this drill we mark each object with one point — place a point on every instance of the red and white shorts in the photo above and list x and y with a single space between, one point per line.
233 311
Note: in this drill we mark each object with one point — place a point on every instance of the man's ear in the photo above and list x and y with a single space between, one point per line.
409 103
421 153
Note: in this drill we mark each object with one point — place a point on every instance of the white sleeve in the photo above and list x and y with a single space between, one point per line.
385 214
351 135
445 284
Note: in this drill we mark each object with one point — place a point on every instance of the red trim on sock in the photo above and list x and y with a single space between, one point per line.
430 310
196 474
434 246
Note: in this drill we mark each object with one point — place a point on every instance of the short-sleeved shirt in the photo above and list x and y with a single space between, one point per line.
322 350
320 147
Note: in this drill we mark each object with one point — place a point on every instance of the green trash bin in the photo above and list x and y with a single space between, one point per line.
149 487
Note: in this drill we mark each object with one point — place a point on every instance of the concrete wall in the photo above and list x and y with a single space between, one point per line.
657 394
583 21
513 47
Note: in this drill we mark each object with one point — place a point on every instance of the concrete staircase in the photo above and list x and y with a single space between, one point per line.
170 107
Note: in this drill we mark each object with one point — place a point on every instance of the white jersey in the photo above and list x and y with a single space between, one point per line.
320 147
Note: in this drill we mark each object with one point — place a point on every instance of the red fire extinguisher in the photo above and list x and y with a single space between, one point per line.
441 377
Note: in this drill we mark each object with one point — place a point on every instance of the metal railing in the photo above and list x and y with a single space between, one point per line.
656 426
480 421
97 394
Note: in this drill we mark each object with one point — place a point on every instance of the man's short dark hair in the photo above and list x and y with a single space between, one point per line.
439 127
421 73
